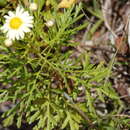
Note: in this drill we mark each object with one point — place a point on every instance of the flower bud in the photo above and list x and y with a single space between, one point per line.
33 6
50 23
8 42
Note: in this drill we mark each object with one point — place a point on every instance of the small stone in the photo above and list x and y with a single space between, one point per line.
89 43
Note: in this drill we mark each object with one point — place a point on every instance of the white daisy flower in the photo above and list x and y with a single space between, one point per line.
17 24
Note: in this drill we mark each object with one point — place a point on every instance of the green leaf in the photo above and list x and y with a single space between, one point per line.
65 123
34 117
42 122
19 121
9 120
40 4
3 3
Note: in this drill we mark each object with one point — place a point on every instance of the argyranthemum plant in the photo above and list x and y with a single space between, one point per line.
42 77
17 24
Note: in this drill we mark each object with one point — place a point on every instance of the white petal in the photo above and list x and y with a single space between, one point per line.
17 36
7 21
11 35
29 21
19 11
25 14
7 17
11 14
30 18
5 28
21 33
25 29
26 19
29 25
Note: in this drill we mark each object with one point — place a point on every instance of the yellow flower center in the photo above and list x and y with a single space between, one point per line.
15 23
